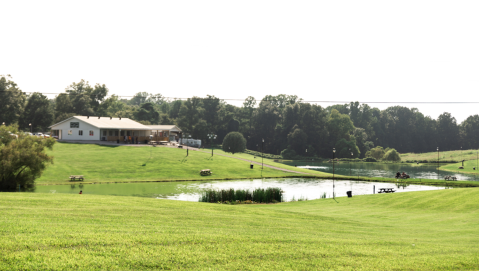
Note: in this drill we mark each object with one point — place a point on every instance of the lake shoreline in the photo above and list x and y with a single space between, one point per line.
433 182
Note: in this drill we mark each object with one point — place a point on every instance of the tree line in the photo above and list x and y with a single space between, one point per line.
281 124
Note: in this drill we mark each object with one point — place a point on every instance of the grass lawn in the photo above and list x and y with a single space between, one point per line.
430 230
129 164
456 155
468 167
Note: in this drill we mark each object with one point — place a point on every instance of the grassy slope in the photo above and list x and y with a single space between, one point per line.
457 155
432 230
468 167
121 163
131 164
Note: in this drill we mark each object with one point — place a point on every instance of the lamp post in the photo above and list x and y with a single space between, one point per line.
30 128
262 143
3 123
350 163
334 150
438 163
211 137
189 136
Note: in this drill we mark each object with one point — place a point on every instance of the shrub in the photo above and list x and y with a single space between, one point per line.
234 142
288 154
392 155
369 159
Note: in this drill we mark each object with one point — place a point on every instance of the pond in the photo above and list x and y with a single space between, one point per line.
383 170
294 188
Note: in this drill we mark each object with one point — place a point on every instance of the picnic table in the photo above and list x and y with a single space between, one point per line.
205 172
74 177
386 190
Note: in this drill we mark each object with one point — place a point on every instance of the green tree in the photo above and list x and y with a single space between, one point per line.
248 107
377 153
234 142
148 112
297 140
344 149
22 160
80 97
392 155
38 112
339 126
12 101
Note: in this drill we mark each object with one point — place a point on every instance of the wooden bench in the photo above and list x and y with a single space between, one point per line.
75 177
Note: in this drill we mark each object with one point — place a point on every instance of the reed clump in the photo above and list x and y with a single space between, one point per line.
232 196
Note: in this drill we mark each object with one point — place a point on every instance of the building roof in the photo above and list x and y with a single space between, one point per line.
107 123
172 128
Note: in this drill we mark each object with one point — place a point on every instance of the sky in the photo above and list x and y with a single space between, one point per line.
386 52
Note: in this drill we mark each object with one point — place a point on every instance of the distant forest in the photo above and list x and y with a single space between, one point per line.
287 125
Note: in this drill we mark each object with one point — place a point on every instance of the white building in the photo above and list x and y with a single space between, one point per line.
100 128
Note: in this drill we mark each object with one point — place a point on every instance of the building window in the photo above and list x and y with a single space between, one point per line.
74 125
110 133
80 132
104 132
91 133
116 133
70 132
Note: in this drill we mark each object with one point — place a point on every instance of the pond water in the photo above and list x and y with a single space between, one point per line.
297 188
383 170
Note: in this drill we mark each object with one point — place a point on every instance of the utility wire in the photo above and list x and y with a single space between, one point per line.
300 101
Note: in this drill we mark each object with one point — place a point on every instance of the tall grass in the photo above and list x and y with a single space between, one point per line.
259 195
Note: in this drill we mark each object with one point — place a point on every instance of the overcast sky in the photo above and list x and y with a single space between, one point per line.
367 51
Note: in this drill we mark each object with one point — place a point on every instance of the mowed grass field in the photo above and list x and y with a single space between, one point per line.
468 167
456 155
431 230
128 164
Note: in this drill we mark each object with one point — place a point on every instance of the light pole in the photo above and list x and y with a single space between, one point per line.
30 128
262 143
3 123
189 136
438 163
211 137
350 163
334 150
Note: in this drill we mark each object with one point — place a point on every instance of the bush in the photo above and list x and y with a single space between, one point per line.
265 155
369 159
288 154
234 142
392 155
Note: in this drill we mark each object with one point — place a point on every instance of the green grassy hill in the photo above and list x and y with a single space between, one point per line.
129 164
431 230
456 155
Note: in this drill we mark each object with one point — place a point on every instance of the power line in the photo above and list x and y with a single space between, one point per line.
240 100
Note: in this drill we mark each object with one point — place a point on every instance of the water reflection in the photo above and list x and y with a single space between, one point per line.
190 191
383 170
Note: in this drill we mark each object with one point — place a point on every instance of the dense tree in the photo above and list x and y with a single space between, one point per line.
470 132
37 112
447 132
298 140
148 112
22 160
377 153
392 155
234 142
12 101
